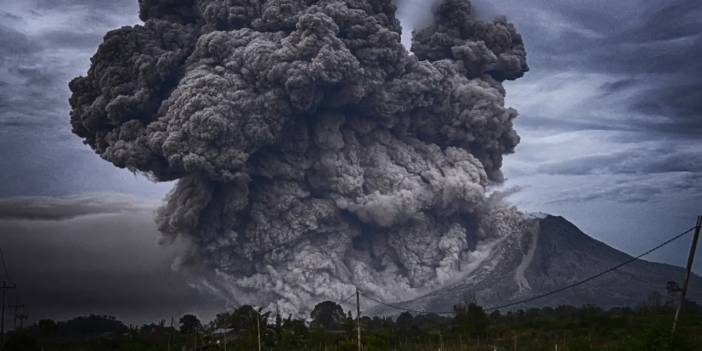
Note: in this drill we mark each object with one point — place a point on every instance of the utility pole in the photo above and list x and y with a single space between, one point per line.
358 318
170 334
690 260
258 328
3 288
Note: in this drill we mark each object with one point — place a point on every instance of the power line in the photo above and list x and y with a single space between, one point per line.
549 293
403 308
348 298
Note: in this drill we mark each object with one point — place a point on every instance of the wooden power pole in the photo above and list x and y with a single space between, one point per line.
258 328
170 334
690 261
358 318
3 289
441 341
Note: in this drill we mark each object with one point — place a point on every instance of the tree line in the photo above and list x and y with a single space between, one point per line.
330 328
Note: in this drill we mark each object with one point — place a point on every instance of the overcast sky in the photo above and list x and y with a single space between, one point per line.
610 125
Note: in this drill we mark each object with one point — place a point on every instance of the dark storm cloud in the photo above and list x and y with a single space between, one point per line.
559 124
623 192
14 43
656 161
35 71
86 5
638 189
32 86
41 48
43 44
93 14
650 49
623 81
61 208
655 46
678 106
9 16
78 40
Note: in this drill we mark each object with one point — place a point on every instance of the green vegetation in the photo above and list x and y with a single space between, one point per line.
330 328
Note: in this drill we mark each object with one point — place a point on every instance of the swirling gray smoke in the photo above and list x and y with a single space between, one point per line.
313 152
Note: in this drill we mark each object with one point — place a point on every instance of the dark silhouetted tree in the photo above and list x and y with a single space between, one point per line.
328 315
405 321
47 326
242 318
470 319
189 324
92 324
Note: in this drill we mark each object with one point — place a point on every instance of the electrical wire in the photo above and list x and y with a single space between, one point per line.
403 308
348 298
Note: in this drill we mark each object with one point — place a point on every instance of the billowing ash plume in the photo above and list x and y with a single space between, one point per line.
313 152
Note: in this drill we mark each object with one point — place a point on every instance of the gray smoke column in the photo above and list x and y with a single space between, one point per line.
313 152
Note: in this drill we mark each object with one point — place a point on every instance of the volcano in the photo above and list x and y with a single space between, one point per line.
554 256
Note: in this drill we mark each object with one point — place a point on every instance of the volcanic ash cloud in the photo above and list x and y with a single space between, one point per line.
313 152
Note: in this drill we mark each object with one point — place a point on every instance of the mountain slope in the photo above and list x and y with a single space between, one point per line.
556 255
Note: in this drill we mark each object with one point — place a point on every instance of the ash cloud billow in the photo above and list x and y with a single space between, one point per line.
313 152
